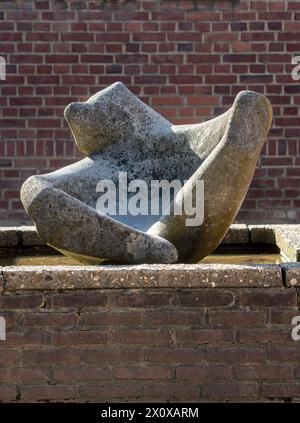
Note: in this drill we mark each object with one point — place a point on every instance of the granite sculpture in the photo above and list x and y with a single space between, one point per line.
118 133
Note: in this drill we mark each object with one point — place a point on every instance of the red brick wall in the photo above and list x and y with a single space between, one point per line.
187 59
146 345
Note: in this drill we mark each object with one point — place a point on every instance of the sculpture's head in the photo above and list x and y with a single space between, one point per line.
90 127
110 115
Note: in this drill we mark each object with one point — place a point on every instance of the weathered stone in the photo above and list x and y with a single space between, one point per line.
9 237
30 236
119 133
19 236
288 240
141 276
286 237
262 234
292 274
237 234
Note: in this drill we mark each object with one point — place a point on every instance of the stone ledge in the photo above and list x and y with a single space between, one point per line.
237 234
10 237
26 236
286 237
262 234
292 274
288 240
141 276
19 236
16 278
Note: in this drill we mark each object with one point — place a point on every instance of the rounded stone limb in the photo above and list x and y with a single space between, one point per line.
78 230
227 173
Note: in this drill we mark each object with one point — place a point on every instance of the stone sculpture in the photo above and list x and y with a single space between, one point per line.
119 133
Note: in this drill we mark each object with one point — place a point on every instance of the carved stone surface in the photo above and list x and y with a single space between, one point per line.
119 133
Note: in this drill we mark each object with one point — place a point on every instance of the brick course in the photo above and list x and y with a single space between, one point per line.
86 345
186 58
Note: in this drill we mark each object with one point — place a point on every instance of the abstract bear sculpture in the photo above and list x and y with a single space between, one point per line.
120 134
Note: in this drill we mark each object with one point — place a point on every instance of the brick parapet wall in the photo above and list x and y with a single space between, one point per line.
187 59
150 345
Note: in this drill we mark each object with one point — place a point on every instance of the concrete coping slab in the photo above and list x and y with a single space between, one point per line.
291 274
286 237
26 236
19 236
288 240
177 276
